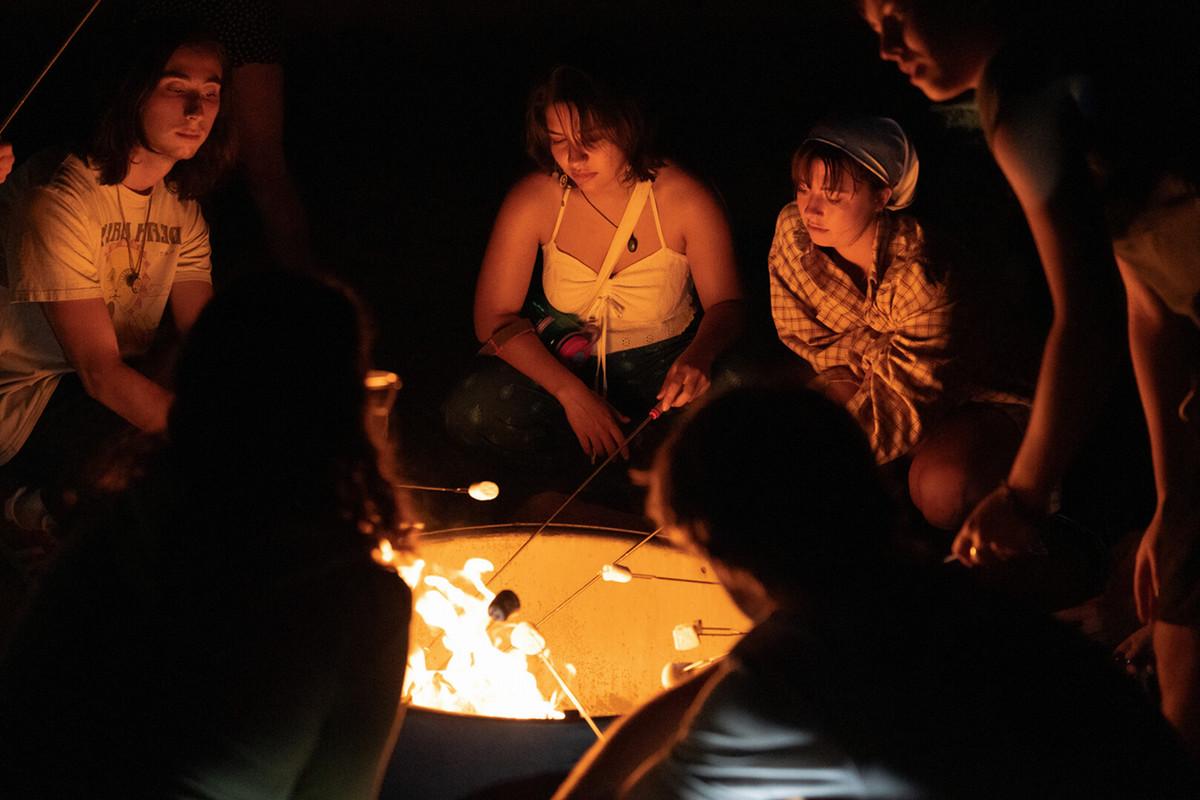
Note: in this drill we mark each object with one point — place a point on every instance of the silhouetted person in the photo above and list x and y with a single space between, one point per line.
222 630
1095 134
863 677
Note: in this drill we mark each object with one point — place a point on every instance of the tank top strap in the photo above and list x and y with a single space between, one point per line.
662 240
562 207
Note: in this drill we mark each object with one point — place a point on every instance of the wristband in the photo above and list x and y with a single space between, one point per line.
504 335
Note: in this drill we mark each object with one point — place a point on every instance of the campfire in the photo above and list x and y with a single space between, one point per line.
465 660
608 642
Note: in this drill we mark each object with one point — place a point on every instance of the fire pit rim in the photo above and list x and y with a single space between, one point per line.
508 527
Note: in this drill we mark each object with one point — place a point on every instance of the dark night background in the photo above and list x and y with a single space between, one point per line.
404 131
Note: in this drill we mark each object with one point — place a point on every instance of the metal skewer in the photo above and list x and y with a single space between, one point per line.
42 74
571 696
527 639
654 414
482 491
619 573
596 577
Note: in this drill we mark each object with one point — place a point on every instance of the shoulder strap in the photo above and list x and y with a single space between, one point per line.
662 240
562 207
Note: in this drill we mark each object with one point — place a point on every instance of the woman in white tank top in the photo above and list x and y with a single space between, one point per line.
627 240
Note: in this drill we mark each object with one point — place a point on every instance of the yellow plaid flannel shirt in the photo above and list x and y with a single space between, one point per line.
894 338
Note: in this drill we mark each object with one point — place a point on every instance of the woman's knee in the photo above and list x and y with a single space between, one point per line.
964 458
940 488
497 406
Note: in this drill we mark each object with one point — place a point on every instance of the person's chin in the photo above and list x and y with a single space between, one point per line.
819 237
940 91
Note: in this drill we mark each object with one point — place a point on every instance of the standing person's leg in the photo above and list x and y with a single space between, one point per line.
1177 656
1176 631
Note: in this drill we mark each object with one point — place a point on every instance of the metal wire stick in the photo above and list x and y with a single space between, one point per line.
596 577
571 696
45 69
653 415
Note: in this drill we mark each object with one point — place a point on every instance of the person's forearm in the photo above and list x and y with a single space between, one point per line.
124 390
1074 377
719 328
526 353
1162 349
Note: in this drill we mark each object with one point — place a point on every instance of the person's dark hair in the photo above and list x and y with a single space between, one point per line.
119 127
270 408
836 164
603 115
779 481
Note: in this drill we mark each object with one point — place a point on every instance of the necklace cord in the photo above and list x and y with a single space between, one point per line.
135 271
632 244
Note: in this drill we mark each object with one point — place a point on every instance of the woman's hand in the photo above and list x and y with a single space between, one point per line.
685 382
997 530
593 420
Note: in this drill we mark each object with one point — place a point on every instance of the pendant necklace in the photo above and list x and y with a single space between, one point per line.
135 270
630 245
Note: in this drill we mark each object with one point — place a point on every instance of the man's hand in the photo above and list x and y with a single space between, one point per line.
997 530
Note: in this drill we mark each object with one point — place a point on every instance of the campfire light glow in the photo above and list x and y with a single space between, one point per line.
472 664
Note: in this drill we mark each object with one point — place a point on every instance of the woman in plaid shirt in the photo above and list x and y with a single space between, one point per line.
852 295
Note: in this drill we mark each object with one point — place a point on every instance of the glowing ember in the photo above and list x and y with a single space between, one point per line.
463 660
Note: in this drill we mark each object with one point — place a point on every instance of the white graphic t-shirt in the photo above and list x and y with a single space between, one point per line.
66 237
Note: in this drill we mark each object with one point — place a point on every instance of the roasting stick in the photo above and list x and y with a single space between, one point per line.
529 640
583 712
482 491
45 69
654 414
596 577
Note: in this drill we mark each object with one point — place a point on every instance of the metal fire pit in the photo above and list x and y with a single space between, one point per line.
617 636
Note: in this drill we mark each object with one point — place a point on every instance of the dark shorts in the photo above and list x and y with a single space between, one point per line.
67 454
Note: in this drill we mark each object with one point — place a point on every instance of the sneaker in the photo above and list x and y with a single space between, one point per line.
26 510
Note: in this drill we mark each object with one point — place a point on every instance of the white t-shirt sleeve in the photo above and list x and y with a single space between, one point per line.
57 250
195 254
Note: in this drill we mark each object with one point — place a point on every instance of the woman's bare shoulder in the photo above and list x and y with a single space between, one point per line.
531 205
673 180
680 192
537 189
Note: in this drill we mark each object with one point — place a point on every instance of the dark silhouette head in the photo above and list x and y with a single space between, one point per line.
777 481
270 405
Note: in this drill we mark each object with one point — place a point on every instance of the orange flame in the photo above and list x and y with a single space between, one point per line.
463 661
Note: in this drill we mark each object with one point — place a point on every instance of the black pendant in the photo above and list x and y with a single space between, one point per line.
631 245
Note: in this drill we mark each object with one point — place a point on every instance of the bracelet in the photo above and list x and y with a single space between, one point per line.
504 335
